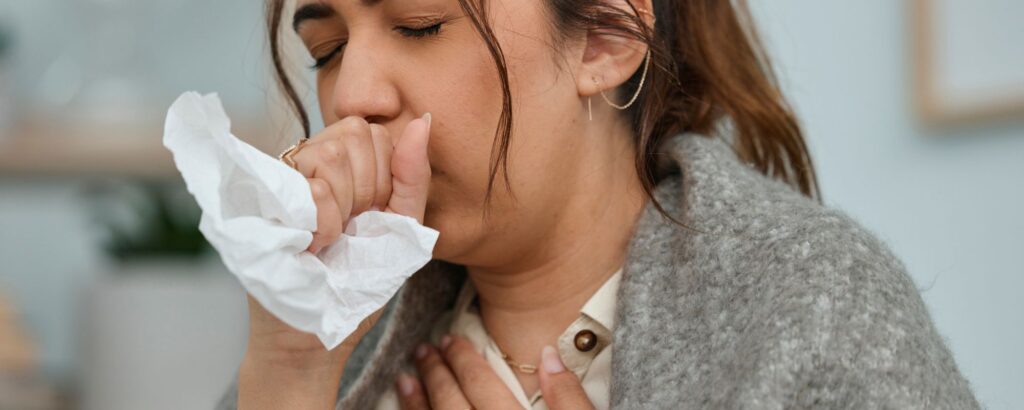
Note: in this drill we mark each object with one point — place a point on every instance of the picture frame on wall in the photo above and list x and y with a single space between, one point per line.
968 60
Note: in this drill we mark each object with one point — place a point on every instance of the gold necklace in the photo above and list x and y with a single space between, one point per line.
522 368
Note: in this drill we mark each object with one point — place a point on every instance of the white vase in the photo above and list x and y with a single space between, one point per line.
164 334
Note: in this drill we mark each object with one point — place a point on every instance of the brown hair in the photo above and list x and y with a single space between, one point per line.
707 64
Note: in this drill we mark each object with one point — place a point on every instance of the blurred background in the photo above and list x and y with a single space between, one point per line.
110 299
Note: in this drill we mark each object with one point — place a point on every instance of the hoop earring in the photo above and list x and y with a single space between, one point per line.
643 77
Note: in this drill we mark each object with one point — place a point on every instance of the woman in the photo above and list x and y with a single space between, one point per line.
628 213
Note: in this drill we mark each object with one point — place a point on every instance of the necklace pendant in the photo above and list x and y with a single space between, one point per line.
522 368
527 368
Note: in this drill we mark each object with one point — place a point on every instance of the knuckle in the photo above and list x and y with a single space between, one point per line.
357 140
320 189
354 125
331 151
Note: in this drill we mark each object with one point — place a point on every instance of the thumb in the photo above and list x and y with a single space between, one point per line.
410 170
560 387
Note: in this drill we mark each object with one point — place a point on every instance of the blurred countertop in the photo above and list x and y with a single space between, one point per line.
134 150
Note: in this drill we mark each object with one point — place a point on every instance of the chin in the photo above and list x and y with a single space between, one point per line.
448 248
450 243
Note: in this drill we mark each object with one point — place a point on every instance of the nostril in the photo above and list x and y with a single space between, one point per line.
376 119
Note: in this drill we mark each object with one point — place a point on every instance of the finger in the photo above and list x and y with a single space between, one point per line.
478 381
410 170
329 160
410 393
443 390
561 388
328 218
362 162
305 158
383 148
328 156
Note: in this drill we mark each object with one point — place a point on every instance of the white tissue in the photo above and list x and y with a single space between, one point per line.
259 214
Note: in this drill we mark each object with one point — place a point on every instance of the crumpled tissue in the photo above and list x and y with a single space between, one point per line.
259 214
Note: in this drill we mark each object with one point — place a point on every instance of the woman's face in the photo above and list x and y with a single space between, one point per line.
403 58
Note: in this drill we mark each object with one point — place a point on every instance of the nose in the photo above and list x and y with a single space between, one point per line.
363 86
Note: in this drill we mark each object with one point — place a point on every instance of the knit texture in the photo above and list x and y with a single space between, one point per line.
766 299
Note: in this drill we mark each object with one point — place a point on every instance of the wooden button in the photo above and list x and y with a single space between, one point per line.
585 340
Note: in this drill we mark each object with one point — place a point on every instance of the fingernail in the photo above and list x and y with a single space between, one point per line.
405 384
421 351
550 361
375 208
445 341
427 117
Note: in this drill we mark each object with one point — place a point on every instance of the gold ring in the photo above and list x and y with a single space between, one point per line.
287 154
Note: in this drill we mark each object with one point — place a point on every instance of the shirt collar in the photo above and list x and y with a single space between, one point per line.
600 307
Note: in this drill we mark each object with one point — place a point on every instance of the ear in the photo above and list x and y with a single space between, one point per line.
610 60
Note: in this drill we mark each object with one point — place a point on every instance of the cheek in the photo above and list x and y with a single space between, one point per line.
325 81
463 93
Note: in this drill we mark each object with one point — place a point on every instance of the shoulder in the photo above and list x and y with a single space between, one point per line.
748 222
793 291
762 224
760 238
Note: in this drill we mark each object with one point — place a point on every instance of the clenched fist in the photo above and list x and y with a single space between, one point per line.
353 166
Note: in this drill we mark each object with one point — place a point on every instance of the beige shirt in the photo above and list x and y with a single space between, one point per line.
583 346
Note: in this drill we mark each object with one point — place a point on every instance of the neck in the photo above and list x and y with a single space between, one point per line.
529 305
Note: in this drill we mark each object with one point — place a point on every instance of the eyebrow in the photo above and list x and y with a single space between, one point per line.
320 10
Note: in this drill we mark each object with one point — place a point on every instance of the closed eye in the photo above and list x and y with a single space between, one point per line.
419 32
322 61
410 32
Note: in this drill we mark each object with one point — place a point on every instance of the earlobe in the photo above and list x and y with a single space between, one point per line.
609 60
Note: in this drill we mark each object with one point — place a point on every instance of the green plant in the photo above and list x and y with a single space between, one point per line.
6 41
147 219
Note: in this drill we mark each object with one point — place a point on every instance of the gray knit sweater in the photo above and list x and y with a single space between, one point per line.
770 301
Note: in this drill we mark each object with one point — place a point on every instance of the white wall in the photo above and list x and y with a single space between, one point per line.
948 202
